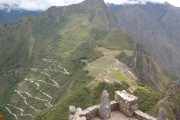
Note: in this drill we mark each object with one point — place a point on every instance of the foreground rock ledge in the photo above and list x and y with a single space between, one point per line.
125 106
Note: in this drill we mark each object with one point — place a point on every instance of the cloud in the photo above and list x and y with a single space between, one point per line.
172 2
39 4
133 1
44 4
31 5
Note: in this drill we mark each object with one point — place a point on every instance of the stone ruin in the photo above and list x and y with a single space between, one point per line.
124 103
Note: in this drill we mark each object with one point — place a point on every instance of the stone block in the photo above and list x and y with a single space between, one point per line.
143 116
91 112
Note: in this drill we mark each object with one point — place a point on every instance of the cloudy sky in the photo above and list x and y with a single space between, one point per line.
44 4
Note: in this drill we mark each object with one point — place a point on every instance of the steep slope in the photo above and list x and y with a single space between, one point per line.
43 68
145 68
2 31
48 50
170 102
155 26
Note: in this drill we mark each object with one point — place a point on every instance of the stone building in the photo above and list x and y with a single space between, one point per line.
124 107
128 104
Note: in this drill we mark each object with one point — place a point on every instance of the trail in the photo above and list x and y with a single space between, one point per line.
64 70
56 84
25 95
10 112
48 60
59 66
25 100
40 99
22 111
53 70
37 88
45 73
42 81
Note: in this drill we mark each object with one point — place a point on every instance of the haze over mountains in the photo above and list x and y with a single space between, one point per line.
69 54
11 14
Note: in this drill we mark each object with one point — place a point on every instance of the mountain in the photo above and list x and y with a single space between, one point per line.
11 14
66 55
155 26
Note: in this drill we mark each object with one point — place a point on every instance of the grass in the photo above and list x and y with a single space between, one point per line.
82 97
147 98
119 76
106 51
117 40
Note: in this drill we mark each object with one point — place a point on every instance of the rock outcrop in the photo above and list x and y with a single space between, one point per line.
105 109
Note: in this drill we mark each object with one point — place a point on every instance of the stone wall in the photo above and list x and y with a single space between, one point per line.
128 104
143 116
124 102
90 112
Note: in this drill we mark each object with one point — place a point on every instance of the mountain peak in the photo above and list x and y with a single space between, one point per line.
95 3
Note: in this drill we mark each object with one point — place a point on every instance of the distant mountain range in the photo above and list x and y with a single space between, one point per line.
11 14
68 55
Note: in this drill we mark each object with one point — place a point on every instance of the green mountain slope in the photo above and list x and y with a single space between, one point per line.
145 68
156 27
43 64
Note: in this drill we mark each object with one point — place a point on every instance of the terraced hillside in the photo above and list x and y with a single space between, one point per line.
109 69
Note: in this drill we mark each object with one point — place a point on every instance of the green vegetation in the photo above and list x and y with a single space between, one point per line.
171 102
82 97
147 98
5 113
67 35
119 76
117 40
146 69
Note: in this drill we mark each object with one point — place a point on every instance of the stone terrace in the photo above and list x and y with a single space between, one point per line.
125 107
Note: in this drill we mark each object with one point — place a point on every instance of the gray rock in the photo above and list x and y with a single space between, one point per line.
91 112
72 110
105 108
161 114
